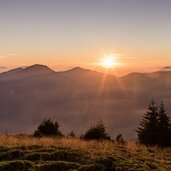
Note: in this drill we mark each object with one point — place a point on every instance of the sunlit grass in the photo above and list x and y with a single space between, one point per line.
130 155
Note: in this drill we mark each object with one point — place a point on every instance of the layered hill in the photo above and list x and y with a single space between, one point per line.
78 98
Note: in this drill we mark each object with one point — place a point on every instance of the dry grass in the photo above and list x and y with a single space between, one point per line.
129 154
104 147
12 141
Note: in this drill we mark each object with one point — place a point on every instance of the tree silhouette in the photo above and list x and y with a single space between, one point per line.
119 139
147 131
72 134
47 128
155 127
164 127
97 132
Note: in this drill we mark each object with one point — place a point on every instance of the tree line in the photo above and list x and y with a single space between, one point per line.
48 128
153 129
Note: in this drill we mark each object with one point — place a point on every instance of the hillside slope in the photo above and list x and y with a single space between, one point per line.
50 154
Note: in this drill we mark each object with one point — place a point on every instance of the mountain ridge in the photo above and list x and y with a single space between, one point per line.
45 68
78 98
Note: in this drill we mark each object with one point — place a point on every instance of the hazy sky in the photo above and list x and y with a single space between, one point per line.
80 32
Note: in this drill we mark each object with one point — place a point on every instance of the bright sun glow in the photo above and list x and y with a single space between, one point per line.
108 62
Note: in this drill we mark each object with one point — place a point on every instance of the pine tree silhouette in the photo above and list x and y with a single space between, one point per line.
147 132
164 127
155 127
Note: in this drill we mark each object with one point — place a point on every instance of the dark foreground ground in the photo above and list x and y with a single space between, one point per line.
67 154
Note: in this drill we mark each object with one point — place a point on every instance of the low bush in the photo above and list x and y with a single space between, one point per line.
57 166
97 132
92 167
15 166
3 149
71 156
45 149
48 128
108 162
38 156
12 155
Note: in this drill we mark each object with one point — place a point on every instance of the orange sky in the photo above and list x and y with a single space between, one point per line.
65 34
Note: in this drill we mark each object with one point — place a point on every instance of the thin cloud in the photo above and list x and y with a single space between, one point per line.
2 56
12 54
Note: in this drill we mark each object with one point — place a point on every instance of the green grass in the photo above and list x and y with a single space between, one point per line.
50 154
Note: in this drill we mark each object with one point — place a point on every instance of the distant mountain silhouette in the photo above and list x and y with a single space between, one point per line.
167 68
10 73
27 71
78 69
78 98
37 70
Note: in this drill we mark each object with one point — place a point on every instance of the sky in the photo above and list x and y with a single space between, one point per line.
68 33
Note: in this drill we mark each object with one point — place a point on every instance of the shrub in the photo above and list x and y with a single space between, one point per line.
47 128
45 149
76 156
109 163
92 167
3 149
56 166
59 155
70 156
12 155
15 166
72 134
119 139
98 132
36 156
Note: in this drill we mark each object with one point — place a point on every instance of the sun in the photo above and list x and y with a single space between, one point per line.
108 62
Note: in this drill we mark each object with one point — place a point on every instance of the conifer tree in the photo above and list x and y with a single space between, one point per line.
147 131
164 127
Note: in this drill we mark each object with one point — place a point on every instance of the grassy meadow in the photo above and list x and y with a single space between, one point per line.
24 153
